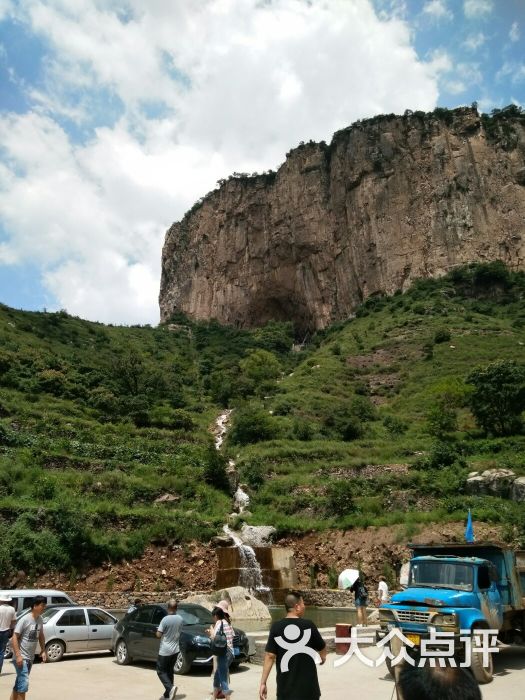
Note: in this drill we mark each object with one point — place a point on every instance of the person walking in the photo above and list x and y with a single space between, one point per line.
136 603
297 646
29 630
360 592
7 624
225 606
169 633
222 626
383 594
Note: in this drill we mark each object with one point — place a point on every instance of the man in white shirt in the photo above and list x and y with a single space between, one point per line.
7 623
383 595
28 632
169 633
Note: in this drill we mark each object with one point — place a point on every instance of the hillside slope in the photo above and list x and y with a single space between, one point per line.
374 428
367 425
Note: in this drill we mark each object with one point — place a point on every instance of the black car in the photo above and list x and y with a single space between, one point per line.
134 637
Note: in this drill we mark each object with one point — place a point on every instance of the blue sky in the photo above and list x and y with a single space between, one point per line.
116 115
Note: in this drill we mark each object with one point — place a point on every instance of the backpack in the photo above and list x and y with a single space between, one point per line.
361 590
219 644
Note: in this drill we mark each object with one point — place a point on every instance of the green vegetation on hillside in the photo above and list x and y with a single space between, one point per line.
378 421
390 411
97 422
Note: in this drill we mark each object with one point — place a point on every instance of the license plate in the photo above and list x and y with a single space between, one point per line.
236 651
414 638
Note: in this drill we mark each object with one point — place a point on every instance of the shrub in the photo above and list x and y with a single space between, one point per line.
215 470
222 387
498 398
44 488
302 430
362 407
52 381
442 454
282 407
394 425
103 400
254 474
253 424
260 368
442 335
339 498
163 416
351 429
441 420
428 350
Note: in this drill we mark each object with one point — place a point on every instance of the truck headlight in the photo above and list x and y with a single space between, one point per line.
201 640
448 620
386 615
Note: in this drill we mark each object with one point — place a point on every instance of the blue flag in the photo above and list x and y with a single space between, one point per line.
469 530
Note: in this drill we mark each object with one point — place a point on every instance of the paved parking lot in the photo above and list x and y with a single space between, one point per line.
98 677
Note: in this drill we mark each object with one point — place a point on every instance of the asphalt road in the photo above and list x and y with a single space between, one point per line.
98 677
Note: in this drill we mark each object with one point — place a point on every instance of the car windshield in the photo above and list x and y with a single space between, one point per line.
441 574
195 615
48 613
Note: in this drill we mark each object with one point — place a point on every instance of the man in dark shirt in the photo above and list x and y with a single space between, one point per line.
297 647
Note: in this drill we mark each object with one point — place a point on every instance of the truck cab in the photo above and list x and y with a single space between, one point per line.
459 589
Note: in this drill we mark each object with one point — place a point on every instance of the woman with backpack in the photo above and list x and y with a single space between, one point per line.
222 647
361 601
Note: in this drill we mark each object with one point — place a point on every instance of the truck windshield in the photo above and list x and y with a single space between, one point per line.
441 574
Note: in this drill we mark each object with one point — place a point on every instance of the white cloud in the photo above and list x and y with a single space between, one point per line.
474 41
440 62
477 8
6 8
437 9
514 33
514 69
203 89
455 87
470 73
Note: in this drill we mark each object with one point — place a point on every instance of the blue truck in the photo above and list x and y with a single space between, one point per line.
455 588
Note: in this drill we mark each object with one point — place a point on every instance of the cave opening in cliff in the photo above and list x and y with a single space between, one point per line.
282 308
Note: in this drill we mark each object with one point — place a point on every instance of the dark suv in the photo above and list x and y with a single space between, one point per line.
134 636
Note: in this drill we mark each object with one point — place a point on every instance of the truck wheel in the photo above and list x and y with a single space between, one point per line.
483 674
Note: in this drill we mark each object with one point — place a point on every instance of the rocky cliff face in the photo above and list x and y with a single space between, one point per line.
389 200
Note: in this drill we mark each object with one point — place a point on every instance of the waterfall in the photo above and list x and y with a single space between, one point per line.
250 574
222 428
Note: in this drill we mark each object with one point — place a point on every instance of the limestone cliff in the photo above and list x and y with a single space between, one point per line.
389 200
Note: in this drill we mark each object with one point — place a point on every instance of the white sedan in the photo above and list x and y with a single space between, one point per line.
76 628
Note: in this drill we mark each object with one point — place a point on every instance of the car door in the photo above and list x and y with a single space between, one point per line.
150 642
137 627
100 629
71 627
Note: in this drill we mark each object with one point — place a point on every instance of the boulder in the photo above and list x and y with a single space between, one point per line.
492 482
518 490
257 535
222 541
243 605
